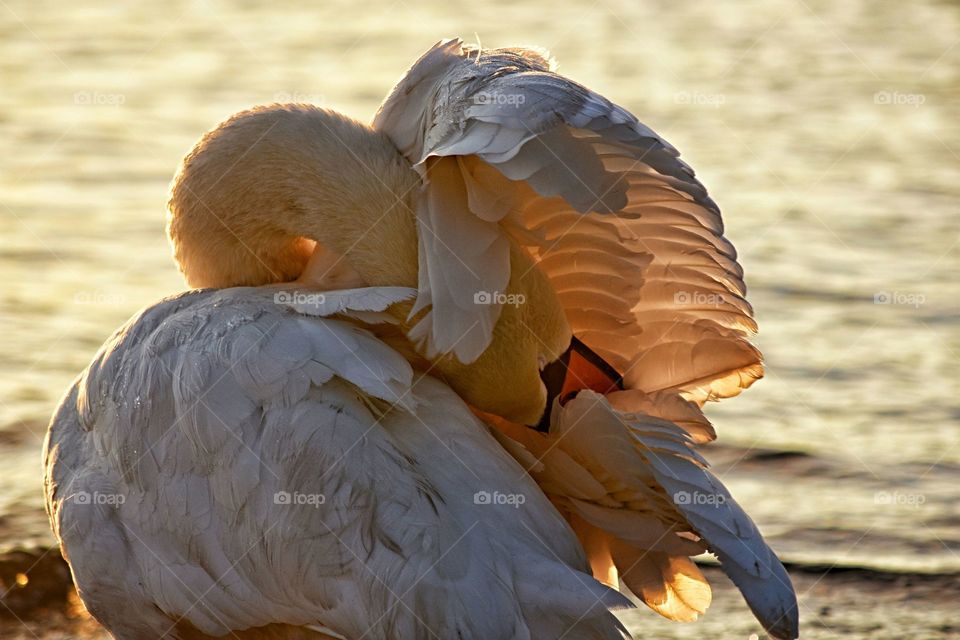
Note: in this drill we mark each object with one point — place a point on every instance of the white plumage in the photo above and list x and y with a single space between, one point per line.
305 461
280 468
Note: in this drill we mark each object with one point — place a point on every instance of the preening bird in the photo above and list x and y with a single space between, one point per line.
442 377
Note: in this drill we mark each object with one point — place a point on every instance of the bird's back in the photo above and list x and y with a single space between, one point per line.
228 463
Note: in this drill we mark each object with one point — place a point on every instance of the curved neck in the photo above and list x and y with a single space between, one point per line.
252 192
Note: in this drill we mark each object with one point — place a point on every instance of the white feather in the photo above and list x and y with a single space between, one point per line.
246 464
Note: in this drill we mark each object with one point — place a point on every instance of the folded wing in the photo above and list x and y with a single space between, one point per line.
260 465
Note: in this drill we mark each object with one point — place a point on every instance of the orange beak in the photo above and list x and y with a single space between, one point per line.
577 369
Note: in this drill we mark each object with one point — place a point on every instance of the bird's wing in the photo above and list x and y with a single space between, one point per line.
628 236
227 462
643 500
634 248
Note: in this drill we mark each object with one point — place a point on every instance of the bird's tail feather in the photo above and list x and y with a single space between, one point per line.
557 604
677 508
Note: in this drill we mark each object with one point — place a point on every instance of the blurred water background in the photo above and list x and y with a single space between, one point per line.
828 132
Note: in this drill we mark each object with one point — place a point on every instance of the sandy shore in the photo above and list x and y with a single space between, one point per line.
835 603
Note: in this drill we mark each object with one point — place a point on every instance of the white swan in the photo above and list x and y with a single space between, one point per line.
296 461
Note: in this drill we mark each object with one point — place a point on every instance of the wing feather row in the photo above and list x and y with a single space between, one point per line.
630 238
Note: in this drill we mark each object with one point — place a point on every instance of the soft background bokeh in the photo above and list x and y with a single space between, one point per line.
829 132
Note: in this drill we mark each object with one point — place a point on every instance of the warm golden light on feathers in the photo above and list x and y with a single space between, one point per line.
492 211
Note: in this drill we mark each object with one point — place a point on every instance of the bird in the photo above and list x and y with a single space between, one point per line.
436 376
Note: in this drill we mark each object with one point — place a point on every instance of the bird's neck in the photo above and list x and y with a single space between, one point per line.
254 195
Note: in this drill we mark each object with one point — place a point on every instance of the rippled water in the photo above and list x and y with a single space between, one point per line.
828 132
